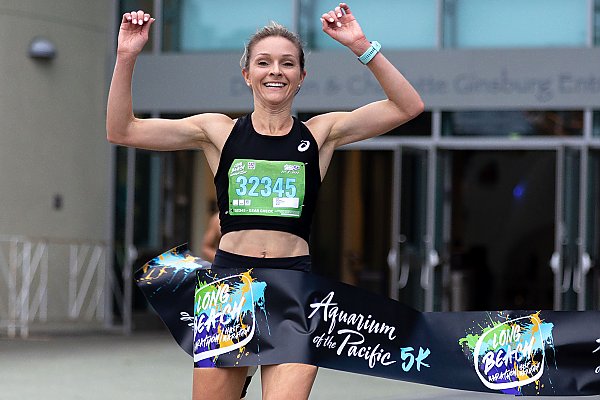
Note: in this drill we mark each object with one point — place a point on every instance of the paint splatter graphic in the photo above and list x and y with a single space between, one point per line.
225 316
171 269
510 354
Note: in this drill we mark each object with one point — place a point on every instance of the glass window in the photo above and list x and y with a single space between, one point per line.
597 22
596 125
593 222
197 25
513 124
515 23
400 24
135 5
419 126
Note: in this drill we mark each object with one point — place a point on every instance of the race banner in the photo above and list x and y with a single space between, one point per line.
246 317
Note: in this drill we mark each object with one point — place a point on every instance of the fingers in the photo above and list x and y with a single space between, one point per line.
331 19
137 18
335 17
345 7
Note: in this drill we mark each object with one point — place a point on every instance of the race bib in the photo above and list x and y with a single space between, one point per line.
269 188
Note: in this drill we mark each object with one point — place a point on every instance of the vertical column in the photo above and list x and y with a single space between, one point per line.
352 219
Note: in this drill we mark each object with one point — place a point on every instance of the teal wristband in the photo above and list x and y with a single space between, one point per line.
370 53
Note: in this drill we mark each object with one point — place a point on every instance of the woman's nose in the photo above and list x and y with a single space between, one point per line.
275 69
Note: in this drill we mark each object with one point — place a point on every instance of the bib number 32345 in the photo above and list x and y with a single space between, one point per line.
269 188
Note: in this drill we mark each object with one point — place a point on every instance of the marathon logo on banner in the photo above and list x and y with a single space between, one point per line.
224 315
246 317
510 355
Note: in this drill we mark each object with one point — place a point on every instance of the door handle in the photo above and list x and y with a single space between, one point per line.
132 253
555 262
392 260
404 272
585 264
555 265
433 259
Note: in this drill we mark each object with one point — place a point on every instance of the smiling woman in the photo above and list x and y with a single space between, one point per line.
268 165
274 70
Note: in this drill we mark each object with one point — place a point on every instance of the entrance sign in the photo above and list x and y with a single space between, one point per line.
449 79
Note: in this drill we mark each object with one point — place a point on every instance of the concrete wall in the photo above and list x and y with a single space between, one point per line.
54 156
52 141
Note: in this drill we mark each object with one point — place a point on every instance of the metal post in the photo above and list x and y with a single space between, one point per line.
431 259
129 244
12 289
582 267
394 255
73 267
158 27
44 285
25 289
557 262
110 284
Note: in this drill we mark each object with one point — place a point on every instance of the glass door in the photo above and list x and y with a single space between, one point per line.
569 261
587 280
484 229
152 213
502 235
413 257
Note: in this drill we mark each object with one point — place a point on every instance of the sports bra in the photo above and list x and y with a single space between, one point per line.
268 182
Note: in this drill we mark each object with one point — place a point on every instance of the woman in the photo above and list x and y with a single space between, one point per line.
273 233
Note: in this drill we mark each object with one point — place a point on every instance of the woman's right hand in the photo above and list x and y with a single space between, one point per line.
133 33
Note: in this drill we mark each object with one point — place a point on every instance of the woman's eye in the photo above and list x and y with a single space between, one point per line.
262 63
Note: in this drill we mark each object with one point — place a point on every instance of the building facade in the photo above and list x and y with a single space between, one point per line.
53 152
490 199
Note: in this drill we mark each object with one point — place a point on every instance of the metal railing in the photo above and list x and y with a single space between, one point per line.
25 294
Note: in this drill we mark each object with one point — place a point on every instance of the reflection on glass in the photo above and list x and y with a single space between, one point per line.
515 23
404 24
368 217
196 25
512 123
135 5
419 126
147 213
502 231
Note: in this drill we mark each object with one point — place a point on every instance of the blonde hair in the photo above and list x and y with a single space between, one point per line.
276 30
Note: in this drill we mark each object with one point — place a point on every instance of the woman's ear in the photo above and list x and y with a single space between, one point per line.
302 76
246 76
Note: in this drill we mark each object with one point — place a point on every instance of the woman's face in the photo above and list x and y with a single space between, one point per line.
274 73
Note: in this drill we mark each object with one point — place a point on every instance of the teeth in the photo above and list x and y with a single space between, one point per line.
274 84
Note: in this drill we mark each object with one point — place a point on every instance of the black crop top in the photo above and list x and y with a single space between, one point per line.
268 182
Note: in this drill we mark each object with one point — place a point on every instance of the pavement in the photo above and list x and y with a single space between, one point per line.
150 366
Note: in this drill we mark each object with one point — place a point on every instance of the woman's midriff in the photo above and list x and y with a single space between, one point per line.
262 243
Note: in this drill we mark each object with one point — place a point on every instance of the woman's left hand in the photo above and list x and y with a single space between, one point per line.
341 25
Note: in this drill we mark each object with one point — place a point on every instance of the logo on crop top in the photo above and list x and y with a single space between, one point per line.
303 146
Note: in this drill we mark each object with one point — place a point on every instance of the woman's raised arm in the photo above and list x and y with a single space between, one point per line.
402 104
122 127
